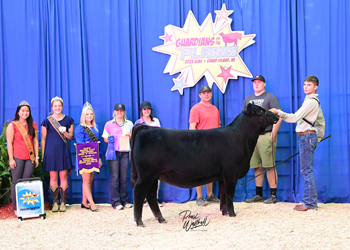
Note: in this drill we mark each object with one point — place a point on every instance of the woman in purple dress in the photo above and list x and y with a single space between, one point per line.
55 132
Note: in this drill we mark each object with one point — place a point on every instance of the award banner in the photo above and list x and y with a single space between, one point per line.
88 157
210 50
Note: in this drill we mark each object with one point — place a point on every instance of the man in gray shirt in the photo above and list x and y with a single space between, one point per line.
310 129
265 150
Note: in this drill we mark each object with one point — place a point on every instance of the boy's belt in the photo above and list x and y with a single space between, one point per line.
306 132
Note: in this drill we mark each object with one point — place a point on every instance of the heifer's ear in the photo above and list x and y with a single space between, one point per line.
248 109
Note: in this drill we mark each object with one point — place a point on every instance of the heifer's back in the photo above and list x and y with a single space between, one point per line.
179 157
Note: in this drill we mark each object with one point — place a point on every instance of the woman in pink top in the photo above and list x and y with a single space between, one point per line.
147 117
22 147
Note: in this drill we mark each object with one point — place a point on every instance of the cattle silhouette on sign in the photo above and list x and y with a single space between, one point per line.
231 38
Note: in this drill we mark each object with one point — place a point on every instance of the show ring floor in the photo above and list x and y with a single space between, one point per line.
256 226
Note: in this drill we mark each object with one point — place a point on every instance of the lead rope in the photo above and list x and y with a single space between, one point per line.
278 164
273 160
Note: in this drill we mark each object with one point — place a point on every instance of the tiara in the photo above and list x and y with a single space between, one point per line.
56 98
23 103
87 105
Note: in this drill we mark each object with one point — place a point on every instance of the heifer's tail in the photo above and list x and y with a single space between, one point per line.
134 174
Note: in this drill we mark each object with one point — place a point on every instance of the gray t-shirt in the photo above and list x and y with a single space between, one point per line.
266 100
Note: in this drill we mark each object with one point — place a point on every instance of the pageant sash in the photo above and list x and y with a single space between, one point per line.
55 124
90 133
88 157
26 139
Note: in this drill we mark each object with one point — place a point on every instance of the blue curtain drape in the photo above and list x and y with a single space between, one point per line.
101 52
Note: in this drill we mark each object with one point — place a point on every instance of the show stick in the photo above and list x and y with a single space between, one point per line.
278 164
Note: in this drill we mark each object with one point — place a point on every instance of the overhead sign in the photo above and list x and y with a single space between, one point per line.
210 50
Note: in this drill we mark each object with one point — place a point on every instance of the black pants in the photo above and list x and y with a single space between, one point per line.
23 169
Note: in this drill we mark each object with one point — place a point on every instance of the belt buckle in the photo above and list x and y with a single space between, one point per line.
300 134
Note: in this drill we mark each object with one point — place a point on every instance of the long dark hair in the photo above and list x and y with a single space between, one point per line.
31 130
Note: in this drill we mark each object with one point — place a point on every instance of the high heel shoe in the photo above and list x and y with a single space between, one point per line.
83 206
96 210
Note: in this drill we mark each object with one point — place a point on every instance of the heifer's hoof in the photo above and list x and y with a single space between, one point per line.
233 215
140 224
224 212
162 220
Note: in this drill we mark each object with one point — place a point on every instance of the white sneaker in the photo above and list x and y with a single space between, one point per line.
119 207
146 204
128 205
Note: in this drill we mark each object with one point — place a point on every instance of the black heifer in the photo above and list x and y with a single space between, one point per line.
191 158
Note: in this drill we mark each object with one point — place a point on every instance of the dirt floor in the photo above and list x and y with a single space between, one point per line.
256 226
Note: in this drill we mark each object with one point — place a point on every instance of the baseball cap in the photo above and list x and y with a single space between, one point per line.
119 106
145 104
259 77
204 89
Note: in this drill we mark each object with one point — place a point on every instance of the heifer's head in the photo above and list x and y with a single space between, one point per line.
260 115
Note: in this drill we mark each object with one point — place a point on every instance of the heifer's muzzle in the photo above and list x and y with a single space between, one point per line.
277 119
275 116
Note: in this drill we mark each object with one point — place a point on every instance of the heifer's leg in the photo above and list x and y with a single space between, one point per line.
223 206
153 203
140 193
230 187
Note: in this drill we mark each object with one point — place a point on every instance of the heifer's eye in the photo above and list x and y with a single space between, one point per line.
260 112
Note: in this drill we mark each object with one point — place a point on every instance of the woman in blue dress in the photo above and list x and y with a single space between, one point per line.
88 131
55 132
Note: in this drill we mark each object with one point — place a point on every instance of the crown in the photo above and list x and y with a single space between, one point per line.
23 103
56 98
87 105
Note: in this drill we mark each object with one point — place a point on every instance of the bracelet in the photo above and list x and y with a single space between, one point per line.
37 157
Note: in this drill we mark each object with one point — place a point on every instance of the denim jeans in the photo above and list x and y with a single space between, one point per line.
307 146
119 171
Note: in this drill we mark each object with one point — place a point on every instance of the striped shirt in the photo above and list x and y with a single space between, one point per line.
311 111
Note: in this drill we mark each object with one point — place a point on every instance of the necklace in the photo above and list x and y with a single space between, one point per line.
120 124
148 122
23 122
59 119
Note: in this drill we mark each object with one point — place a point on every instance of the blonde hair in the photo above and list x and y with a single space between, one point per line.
82 117
124 116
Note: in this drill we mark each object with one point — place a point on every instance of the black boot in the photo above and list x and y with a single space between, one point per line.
63 199
54 195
